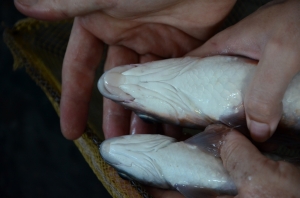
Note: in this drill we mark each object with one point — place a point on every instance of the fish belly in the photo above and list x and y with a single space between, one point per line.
191 91
193 168
162 162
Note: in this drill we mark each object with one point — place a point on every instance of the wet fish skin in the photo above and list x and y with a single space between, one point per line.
162 162
191 91
188 92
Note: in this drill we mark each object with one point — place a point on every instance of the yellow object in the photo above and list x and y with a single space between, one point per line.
40 47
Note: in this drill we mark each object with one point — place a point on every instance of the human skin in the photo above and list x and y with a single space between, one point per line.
136 33
270 35
254 174
265 36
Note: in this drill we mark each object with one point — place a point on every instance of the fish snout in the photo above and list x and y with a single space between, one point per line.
105 151
133 156
110 82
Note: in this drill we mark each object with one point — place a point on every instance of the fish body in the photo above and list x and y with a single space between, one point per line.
162 162
191 91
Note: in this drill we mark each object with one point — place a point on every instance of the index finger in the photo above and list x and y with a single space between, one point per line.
57 10
116 119
81 60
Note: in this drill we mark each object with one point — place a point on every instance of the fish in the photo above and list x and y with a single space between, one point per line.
193 92
190 92
193 167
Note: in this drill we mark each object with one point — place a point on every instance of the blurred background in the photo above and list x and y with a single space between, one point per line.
35 159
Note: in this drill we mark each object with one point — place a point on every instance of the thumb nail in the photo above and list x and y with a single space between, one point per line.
260 132
27 2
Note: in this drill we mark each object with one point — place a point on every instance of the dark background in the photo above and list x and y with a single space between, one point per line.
35 159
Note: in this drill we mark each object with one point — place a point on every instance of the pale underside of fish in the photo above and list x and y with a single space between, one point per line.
192 167
191 91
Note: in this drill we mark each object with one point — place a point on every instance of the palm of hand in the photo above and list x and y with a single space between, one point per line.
133 38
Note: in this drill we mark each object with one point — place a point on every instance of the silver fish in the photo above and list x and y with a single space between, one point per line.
191 166
191 91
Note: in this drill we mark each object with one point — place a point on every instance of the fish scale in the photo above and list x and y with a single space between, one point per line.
189 92
192 91
150 159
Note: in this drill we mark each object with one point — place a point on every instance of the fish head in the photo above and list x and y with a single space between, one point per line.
148 90
190 91
110 81
129 155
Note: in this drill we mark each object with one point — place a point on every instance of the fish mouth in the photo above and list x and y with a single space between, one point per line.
110 82
104 149
111 151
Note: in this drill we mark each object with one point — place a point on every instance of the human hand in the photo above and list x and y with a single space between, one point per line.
136 32
272 36
254 174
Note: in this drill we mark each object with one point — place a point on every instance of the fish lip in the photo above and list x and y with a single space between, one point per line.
103 86
102 151
105 92
102 155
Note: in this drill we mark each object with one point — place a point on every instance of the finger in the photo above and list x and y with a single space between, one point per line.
245 38
240 157
139 126
54 10
143 38
116 119
235 40
264 95
81 60
148 58
263 99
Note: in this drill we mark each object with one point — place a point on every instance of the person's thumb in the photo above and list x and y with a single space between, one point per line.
263 99
253 173
56 10
239 156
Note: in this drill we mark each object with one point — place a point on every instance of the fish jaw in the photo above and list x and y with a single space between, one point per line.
159 161
109 83
188 91
128 155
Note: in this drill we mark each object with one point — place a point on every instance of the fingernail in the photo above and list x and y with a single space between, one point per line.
260 132
27 2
